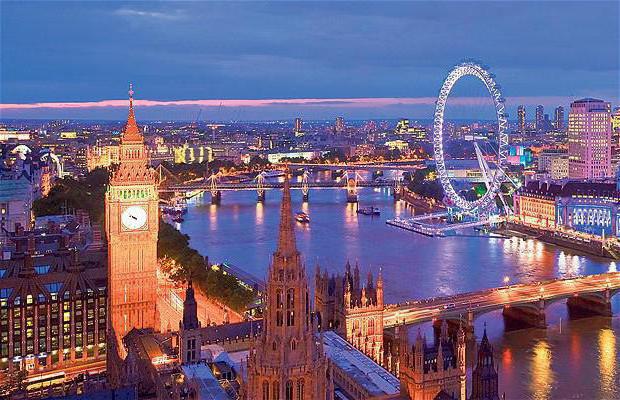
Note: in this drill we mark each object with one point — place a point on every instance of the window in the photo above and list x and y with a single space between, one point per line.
42 269
289 390
300 389
275 390
265 390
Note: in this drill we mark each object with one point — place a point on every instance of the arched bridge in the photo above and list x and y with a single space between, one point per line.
522 304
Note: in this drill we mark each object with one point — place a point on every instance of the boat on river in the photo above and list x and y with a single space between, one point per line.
302 217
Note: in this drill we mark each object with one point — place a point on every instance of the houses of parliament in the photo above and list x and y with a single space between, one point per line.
322 346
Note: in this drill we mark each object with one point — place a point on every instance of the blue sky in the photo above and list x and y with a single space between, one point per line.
89 51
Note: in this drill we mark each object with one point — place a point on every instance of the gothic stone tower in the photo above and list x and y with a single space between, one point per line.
132 224
287 362
189 332
484 384
429 371
353 310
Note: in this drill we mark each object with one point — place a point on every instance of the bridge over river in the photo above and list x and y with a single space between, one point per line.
523 305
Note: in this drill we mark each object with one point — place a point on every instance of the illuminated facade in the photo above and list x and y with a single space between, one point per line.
540 117
52 307
353 310
615 138
433 372
592 208
521 125
101 156
558 120
286 361
589 139
132 224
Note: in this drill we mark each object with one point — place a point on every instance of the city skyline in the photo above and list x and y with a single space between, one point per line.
296 71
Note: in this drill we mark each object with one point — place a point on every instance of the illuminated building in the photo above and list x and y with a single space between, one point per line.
353 310
484 380
433 372
14 136
589 139
339 127
615 138
540 118
101 156
559 167
286 361
521 124
414 132
192 153
68 135
52 304
132 223
558 120
399 145
582 206
298 131
15 205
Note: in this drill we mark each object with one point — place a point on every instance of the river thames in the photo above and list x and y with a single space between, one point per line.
572 359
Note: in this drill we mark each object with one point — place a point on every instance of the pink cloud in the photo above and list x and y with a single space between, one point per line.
339 102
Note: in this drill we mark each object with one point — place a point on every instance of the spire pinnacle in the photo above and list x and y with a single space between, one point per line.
287 246
131 133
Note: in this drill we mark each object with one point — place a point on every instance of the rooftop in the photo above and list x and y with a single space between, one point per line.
209 387
376 380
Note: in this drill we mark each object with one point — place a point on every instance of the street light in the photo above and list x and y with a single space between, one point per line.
506 279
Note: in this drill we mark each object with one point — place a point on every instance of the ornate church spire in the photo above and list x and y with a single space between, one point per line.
287 246
131 133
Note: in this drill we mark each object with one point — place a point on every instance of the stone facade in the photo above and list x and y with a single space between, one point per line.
352 309
132 224
286 361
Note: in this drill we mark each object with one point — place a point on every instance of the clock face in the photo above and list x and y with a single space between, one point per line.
134 217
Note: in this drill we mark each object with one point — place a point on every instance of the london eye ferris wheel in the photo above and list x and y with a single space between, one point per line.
492 178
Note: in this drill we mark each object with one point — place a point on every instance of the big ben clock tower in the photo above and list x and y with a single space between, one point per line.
132 224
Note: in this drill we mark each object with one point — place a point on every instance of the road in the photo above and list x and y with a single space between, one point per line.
496 298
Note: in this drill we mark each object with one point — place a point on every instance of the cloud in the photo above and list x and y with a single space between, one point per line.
129 12
336 103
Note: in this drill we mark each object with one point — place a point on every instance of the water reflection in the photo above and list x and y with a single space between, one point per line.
447 265
260 213
607 362
541 375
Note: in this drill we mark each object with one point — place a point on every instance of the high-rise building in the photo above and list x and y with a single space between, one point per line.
540 117
615 138
521 119
558 120
589 139
339 126
132 224
298 126
484 378
286 361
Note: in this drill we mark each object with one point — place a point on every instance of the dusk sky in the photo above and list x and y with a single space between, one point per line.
380 59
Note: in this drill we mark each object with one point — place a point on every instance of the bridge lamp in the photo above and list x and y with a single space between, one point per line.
542 291
506 279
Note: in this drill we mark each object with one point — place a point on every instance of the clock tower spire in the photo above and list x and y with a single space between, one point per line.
132 224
